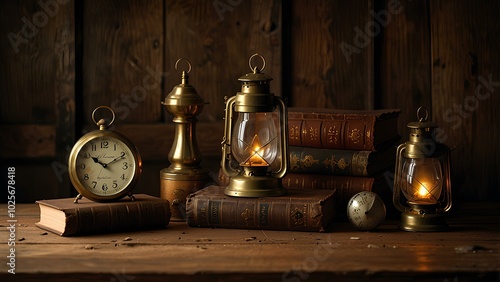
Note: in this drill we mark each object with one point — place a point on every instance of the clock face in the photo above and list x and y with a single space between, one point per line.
104 167
366 210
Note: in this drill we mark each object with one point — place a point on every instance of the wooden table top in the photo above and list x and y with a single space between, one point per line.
469 251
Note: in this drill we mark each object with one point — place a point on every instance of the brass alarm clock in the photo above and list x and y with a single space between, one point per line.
103 164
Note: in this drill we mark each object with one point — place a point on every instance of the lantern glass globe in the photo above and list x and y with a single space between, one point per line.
423 180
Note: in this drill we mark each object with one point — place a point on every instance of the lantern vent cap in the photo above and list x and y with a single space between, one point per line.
183 94
256 75
423 121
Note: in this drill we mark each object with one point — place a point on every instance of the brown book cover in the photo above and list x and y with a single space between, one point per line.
66 218
299 210
340 162
362 130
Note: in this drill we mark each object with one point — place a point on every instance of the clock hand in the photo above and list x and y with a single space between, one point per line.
370 206
117 159
96 160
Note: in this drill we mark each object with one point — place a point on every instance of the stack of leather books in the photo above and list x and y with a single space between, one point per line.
347 150
334 154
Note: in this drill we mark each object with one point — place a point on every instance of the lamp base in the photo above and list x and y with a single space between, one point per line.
255 186
423 222
175 186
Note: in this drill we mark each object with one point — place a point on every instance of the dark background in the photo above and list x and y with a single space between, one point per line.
59 61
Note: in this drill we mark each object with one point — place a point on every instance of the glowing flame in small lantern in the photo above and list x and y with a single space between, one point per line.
426 192
423 192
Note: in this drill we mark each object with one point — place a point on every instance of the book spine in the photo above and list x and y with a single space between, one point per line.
328 161
253 214
346 186
104 219
336 132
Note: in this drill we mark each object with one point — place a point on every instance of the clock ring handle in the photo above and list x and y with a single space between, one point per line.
101 123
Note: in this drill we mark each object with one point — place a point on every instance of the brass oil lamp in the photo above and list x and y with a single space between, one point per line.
255 145
184 175
422 186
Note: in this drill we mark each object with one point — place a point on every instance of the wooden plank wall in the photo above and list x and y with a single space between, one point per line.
465 90
321 53
323 64
37 110
405 41
123 59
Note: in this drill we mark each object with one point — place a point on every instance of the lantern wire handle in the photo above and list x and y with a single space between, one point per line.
421 119
177 65
101 121
255 69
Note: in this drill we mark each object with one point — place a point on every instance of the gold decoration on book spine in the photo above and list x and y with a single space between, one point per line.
294 133
297 216
332 162
247 215
355 135
309 161
333 135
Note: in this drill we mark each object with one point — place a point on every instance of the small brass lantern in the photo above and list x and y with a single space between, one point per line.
422 186
184 175
255 145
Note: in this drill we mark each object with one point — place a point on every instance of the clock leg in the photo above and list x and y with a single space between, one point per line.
132 198
78 197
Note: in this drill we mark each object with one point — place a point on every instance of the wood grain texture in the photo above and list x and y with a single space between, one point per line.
247 255
27 141
404 69
30 53
323 75
465 85
65 90
123 58
37 81
218 38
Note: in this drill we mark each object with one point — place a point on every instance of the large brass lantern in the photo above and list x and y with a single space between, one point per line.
422 186
254 147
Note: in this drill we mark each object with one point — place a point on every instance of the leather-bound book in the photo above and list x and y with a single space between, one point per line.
299 210
66 218
362 130
346 186
340 162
